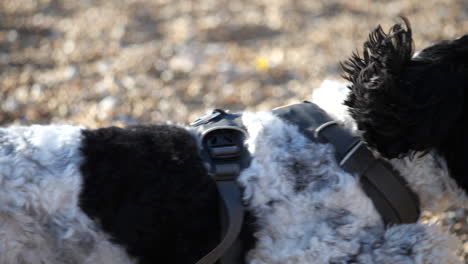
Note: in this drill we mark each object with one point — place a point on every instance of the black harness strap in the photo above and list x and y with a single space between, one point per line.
391 196
223 148
389 192
312 121
235 214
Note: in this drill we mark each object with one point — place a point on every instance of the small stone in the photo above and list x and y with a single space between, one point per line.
450 214
166 51
22 94
106 107
63 110
128 82
71 72
108 103
37 91
102 67
167 76
12 36
68 47
461 214
457 226
10 104
182 64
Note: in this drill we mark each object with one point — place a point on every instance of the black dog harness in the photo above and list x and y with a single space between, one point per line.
223 148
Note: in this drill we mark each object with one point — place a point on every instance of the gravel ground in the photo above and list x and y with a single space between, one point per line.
102 62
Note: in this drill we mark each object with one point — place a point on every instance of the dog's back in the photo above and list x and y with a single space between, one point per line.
71 195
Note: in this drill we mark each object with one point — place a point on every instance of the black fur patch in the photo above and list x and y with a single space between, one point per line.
149 190
405 105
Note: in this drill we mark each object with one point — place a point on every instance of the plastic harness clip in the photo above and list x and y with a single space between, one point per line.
223 149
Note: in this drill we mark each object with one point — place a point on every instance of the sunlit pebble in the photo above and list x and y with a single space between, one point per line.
274 17
166 51
12 35
180 28
71 72
182 64
252 17
117 32
164 106
210 21
67 24
32 113
449 30
69 47
63 110
106 106
160 65
277 56
457 226
225 67
214 49
3 58
128 82
38 19
167 75
107 84
108 103
10 104
103 67
37 91
22 94
52 103
227 89
139 109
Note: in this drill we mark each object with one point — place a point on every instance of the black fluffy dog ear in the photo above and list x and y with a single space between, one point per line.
374 100
384 58
404 104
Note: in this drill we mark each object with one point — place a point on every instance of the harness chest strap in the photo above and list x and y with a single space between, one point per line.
223 148
392 198
226 251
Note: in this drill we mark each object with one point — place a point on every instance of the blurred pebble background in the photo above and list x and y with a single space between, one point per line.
103 62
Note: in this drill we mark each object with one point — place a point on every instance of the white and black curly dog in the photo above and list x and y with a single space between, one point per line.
142 194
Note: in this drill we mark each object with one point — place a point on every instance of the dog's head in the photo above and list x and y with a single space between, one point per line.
406 104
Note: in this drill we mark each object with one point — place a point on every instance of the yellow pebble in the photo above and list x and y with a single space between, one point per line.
262 64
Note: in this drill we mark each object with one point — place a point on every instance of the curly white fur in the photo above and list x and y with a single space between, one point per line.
311 211
40 221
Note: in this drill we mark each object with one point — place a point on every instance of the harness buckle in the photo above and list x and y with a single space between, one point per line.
226 171
224 151
207 118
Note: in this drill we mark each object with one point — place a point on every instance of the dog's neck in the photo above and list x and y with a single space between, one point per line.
428 175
